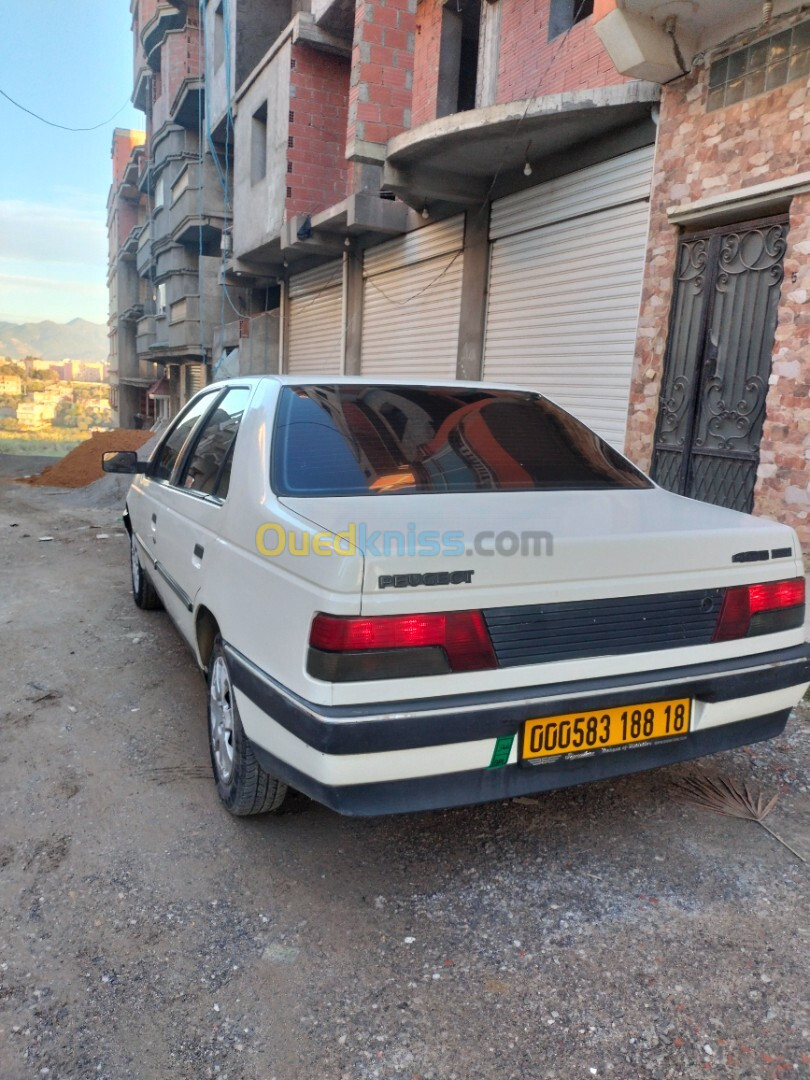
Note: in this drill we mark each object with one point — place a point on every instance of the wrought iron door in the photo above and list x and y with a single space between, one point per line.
718 362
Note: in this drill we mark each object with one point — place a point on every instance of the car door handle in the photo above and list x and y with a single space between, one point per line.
199 551
154 519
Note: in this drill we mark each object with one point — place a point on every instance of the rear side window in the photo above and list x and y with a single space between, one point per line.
208 467
382 440
162 466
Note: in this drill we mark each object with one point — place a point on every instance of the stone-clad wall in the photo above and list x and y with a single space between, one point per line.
783 479
702 154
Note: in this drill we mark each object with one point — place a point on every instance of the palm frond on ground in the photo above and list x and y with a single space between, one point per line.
723 795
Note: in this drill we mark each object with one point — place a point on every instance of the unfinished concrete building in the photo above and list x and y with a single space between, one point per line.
130 377
462 188
178 250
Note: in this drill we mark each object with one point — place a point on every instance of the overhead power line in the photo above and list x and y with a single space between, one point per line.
63 127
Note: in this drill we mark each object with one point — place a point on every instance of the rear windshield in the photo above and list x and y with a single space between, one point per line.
386 440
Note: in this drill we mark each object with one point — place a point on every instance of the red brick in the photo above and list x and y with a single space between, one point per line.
377 133
384 16
382 55
396 39
368 111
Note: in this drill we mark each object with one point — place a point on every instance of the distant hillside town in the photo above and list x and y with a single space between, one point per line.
44 395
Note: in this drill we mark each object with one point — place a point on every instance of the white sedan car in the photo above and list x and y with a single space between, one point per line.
408 595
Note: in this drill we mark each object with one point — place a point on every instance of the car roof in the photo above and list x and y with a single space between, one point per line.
366 380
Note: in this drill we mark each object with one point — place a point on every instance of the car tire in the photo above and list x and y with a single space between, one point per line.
143 591
242 783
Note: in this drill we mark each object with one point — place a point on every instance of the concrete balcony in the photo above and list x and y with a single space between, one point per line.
336 16
145 334
160 111
130 245
464 159
189 103
176 260
140 93
185 335
196 215
161 331
167 17
143 259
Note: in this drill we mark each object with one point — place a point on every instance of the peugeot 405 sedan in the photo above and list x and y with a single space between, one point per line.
411 595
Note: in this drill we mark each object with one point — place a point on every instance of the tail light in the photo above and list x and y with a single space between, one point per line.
391 646
749 610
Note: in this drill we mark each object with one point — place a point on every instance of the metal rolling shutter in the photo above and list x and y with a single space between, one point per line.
411 303
565 289
315 322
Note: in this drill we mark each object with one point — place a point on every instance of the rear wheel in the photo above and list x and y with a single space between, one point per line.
242 783
143 591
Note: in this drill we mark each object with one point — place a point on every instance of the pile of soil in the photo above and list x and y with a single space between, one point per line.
83 464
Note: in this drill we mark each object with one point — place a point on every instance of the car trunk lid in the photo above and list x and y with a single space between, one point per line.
493 550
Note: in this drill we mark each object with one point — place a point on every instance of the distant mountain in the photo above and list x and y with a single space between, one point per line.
77 340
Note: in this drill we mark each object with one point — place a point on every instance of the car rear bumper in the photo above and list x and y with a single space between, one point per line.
431 753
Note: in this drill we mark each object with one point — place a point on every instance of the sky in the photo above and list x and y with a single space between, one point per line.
72 64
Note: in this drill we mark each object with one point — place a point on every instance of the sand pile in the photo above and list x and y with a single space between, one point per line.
82 465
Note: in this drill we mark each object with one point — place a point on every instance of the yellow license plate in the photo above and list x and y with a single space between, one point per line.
601 729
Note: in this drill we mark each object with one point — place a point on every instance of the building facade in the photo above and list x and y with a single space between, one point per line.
720 405
491 189
124 216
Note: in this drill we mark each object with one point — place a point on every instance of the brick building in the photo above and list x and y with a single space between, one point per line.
719 402
417 187
177 243
125 212
318 180
409 179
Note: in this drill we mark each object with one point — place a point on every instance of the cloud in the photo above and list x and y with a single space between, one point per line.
19 281
53 260
31 298
48 232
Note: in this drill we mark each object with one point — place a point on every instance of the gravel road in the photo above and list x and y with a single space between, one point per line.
604 931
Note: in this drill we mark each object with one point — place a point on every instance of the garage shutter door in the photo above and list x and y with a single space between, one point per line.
315 323
411 302
565 290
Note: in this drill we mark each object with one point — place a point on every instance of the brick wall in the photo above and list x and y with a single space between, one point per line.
124 142
179 59
141 15
427 44
783 478
127 219
530 65
381 73
317 174
701 154
533 66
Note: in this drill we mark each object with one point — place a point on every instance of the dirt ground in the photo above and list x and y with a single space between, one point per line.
607 931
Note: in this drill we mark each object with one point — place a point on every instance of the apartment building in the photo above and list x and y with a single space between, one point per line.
319 181
720 396
445 189
455 189
125 216
178 247
11 385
